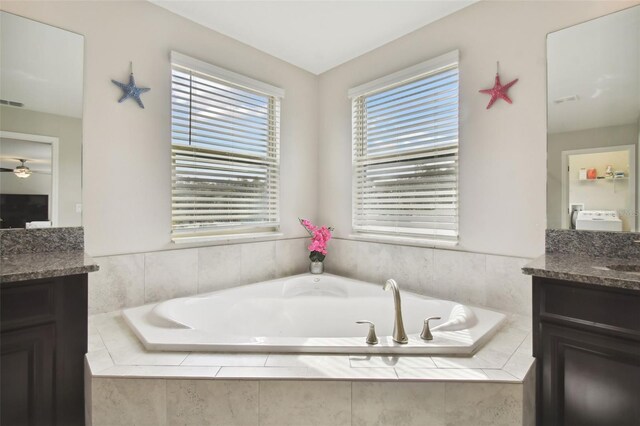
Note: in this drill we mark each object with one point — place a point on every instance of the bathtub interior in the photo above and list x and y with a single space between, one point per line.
308 313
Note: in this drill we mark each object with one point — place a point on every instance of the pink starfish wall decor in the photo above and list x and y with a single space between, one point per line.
498 90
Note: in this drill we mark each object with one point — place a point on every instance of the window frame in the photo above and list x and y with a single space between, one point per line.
387 83
233 80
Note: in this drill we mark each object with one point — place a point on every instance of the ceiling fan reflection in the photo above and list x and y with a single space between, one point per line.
22 171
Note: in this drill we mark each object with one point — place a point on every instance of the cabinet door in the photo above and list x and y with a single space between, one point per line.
588 378
27 385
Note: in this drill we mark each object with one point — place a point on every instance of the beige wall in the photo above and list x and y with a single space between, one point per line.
126 149
36 184
127 173
580 139
68 130
502 150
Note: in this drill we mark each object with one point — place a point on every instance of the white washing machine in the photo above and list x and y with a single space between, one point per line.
598 220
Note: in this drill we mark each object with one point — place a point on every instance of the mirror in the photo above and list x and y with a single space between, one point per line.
41 82
593 124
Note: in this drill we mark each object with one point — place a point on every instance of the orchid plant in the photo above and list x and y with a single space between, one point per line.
320 236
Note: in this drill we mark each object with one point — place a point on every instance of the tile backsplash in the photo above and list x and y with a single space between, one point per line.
473 278
136 279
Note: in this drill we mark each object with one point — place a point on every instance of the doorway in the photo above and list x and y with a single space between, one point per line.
600 179
40 156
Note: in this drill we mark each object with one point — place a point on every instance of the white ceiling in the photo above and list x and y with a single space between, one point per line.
599 61
314 35
41 66
38 155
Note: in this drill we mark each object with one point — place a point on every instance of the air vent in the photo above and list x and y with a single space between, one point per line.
11 103
572 98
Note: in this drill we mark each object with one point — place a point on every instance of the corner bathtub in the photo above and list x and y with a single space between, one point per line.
308 313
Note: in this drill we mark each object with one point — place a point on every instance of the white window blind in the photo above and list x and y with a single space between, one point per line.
225 137
405 152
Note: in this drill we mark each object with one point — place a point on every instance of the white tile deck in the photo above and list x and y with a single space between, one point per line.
117 353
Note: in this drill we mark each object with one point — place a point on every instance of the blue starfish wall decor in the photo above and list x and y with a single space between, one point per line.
130 90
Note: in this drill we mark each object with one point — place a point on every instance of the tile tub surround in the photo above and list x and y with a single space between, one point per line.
20 241
114 351
131 280
298 403
623 245
129 384
472 278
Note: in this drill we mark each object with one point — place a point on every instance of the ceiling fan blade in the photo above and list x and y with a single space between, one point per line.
3 169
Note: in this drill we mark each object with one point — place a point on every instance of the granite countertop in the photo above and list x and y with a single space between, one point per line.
30 266
585 269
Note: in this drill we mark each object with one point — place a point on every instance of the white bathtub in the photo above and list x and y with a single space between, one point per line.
308 313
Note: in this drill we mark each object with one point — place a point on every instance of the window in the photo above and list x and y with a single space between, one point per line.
225 140
405 152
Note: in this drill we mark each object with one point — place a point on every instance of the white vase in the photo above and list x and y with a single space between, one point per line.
316 267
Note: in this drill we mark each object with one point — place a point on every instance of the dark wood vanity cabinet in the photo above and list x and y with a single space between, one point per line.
586 340
43 340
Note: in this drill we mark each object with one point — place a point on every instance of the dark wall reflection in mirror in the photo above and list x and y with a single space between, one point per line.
593 126
41 82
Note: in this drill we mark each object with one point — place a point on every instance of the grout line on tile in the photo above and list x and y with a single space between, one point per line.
515 351
166 405
110 357
484 370
396 373
185 358
351 411
100 336
105 347
144 277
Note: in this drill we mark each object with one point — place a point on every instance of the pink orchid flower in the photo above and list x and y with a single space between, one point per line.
320 236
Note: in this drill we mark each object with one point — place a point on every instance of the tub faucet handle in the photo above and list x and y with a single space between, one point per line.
426 332
372 339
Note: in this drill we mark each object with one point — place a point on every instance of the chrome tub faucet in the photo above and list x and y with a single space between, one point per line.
399 334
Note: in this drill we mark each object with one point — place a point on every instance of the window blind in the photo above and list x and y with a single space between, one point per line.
405 152
224 151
